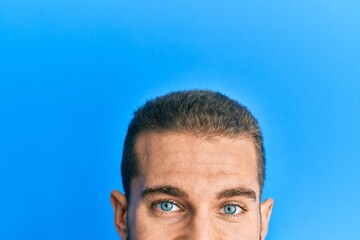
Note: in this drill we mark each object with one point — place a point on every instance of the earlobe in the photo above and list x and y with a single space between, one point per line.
266 209
119 204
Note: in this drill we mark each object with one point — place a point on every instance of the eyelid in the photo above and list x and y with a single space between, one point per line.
155 203
240 205
237 203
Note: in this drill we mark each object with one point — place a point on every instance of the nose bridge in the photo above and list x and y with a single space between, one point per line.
202 226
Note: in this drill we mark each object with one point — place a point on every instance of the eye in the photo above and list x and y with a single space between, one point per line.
167 206
231 209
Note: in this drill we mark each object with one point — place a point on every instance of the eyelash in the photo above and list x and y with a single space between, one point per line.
153 205
243 208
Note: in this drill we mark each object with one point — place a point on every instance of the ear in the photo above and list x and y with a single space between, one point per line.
265 208
119 204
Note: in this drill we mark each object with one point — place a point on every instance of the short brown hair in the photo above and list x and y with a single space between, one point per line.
199 112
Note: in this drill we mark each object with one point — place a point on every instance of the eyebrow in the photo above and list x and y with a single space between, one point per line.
166 189
237 192
176 192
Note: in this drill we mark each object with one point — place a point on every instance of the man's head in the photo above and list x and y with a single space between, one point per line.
193 167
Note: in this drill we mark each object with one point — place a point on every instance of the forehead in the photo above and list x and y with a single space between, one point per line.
185 160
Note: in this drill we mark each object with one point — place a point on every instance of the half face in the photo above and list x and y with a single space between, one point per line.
193 188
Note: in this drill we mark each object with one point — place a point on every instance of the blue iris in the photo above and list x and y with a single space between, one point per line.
230 209
166 206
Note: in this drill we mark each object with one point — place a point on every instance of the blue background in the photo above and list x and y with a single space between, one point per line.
72 73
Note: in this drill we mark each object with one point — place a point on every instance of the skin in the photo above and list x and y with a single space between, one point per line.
193 188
